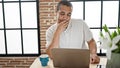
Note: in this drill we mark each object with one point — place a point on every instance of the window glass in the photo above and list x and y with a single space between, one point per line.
1 16
11 0
29 15
30 41
2 42
110 13
77 10
12 15
93 13
20 17
14 42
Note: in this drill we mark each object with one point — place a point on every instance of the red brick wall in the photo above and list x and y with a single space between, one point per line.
47 17
16 62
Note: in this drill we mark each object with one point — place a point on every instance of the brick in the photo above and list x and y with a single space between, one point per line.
2 64
8 66
54 3
22 66
28 63
13 64
43 42
4 61
44 3
20 58
57 0
31 58
16 61
43 47
46 0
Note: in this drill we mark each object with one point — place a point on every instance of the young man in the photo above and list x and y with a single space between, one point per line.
68 33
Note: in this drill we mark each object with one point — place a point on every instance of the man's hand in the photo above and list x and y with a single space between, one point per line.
94 59
62 25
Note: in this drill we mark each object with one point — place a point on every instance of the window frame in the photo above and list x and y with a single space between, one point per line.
101 24
21 29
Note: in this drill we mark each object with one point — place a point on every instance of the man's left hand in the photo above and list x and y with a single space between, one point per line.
94 59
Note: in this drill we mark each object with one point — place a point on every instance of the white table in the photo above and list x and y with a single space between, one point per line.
37 64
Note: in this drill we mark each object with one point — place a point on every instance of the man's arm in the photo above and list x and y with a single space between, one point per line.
93 51
92 46
55 40
54 43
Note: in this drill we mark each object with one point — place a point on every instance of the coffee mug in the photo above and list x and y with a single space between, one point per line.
44 59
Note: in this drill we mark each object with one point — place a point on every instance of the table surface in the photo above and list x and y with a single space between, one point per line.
37 64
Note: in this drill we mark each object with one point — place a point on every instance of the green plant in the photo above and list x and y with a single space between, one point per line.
111 39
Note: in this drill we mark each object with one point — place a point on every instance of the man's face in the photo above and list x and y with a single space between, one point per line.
64 13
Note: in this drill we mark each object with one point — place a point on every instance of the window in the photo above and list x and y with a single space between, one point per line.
19 28
97 13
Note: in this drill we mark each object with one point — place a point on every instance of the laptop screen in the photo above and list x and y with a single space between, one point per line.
71 58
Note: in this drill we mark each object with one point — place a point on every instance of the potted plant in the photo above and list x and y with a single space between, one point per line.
111 42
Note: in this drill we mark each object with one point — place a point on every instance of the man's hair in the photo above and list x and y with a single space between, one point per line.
66 3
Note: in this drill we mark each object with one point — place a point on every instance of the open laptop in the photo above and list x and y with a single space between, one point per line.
70 58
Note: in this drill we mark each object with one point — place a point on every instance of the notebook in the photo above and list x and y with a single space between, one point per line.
70 58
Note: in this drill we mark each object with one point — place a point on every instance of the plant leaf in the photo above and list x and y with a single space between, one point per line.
118 29
101 34
107 30
114 34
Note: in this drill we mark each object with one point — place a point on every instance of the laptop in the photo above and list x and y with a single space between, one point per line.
70 58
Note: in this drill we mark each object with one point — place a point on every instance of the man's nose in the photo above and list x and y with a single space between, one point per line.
65 17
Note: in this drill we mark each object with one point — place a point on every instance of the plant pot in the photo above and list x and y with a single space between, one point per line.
114 62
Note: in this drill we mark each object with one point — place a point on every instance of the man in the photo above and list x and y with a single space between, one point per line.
67 33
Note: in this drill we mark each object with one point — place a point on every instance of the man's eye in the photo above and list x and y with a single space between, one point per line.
62 13
69 14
